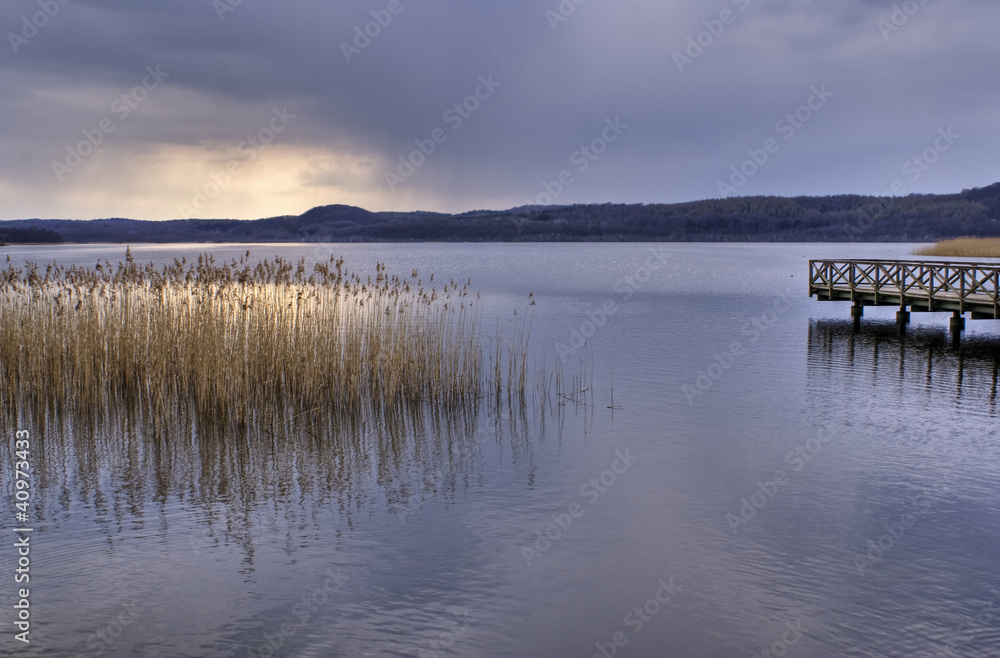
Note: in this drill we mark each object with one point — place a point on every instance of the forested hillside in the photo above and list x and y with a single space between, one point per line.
914 218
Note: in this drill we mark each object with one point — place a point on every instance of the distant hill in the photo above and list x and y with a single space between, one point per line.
28 234
842 218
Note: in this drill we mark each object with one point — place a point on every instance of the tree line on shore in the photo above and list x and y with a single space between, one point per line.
840 218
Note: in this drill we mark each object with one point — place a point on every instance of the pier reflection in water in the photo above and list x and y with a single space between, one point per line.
924 361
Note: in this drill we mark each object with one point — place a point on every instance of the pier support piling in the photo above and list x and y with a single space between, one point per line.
957 325
857 311
902 319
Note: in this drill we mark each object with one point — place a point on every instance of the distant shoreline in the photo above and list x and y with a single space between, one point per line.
830 219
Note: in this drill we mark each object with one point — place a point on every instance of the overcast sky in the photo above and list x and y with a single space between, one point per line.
255 108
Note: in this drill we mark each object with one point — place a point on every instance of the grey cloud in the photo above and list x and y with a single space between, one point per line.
607 59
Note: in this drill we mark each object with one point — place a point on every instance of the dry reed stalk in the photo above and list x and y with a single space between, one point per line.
233 337
963 247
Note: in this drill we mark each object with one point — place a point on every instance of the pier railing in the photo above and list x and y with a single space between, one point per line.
922 285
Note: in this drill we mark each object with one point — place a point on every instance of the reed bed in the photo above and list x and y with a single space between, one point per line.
963 247
235 337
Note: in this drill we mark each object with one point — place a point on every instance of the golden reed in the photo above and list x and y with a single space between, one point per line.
238 338
964 247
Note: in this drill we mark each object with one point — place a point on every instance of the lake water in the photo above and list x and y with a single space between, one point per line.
767 481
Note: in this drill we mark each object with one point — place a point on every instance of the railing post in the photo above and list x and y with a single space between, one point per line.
930 287
878 280
961 298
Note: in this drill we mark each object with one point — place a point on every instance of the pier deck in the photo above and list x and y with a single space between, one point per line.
923 286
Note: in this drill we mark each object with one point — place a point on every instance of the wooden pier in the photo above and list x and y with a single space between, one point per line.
922 286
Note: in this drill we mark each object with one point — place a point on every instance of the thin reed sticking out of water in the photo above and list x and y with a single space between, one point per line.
234 337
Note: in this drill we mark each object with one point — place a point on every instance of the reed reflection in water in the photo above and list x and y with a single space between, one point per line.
124 461
146 494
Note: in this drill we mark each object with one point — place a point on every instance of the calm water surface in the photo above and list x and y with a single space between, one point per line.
768 480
